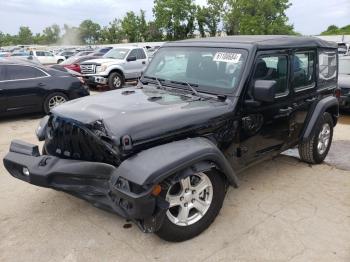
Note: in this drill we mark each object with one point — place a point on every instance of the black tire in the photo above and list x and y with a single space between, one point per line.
115 81
60 61
49 97
308 150
175 233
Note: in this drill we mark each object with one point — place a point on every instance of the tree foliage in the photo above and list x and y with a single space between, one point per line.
175 18
261 17
334 30
89 32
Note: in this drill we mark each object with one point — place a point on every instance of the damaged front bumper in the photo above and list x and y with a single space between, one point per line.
95 182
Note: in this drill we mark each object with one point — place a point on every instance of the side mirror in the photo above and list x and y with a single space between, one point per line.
131 58
265 90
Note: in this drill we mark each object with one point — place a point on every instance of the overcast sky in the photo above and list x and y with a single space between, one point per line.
308 16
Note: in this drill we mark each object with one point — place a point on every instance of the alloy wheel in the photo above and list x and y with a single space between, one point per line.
189 199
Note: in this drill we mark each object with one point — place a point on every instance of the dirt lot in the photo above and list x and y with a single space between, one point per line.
285 210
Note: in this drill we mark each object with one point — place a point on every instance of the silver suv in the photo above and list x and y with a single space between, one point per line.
116 66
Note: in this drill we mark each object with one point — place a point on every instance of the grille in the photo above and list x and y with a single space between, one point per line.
88 69
68 139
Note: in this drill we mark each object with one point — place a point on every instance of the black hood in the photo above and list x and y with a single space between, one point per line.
143 114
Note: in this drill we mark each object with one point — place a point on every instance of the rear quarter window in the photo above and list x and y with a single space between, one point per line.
328 68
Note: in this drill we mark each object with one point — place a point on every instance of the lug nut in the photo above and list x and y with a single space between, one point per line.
186 191
193 192
181 198
185 204
193 200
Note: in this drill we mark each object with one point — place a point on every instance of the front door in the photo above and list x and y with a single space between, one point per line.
265 126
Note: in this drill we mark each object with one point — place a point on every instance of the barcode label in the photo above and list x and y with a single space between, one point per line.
227 57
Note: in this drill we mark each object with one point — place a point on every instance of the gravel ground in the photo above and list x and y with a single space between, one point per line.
284 210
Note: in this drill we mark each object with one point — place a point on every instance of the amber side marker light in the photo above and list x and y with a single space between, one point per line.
156 190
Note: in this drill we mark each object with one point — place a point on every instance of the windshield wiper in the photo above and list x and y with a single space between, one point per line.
158 80
190 86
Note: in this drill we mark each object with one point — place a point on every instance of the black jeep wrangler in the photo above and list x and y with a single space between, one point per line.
163 153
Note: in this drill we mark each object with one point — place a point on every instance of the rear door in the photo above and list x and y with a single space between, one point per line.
24 87
265 127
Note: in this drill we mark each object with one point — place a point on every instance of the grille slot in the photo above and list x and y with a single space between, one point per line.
71 140
88 69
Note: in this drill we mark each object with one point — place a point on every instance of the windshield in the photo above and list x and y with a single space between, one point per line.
344 66
117 53
215 70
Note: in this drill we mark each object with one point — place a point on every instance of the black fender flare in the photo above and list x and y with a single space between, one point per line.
330 104
154 165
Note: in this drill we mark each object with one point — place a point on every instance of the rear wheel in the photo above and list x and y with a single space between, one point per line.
115 81
59 61
54 100
195 201
315 150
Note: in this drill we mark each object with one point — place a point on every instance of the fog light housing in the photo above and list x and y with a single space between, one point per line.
25 171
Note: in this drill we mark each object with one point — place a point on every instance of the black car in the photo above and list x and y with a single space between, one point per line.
28 87
344 82
163 153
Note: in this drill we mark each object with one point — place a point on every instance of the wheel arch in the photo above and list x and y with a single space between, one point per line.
117 70
328 104
182 157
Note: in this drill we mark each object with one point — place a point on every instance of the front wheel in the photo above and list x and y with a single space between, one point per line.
115 81
316 148
195 201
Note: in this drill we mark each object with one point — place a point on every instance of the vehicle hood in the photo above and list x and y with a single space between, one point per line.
344 81
101 61
144 114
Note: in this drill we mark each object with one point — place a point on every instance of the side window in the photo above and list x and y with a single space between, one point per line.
327 68
141 54
134 53
17 72
273 67
48 54
304 70
40 53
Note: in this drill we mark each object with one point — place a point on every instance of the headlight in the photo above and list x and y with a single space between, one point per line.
41 129
100 69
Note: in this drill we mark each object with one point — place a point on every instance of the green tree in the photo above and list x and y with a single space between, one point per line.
130 27
334 30
89 32
210 16
176 18
257 17
153 33
51 34
25 36
113 33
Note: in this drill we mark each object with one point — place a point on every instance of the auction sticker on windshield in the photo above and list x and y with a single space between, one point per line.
227 57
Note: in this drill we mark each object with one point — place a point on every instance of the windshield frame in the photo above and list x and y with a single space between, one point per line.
214 90
113 49
344 60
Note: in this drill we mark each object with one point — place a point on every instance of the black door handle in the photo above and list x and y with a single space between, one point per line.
41 84
143 62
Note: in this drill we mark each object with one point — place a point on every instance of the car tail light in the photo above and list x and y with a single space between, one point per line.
337 93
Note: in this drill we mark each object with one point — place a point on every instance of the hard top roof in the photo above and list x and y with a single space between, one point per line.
259 41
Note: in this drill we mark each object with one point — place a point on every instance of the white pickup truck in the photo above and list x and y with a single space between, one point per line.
46 57
115 67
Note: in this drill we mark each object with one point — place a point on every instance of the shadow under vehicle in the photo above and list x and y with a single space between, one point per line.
163 153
